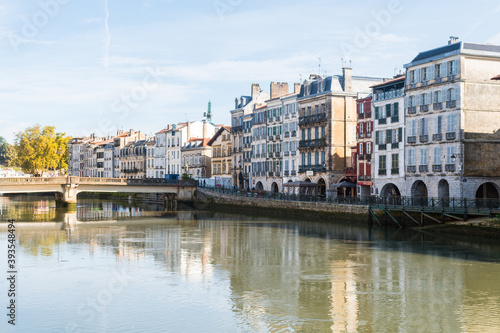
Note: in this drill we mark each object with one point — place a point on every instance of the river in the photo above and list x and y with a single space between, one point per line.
126 267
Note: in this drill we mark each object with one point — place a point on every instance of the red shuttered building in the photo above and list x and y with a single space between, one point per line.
364 134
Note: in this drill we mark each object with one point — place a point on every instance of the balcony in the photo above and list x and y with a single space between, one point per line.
315 118
368 157
437 137
450 167
368 135
293 173
382 121
287 134
293 153
395 171
438 106
361 178
316 143
412 110
270 155
236 129
361 135
361 157
423 168
395 145
368 178
389 94
382 147
412 139
451 104
286 173
424 138
294 134
257 156
437 168
451 136
382 172
286 153
394 119
424 108
411 168
277 154
361 116
270 174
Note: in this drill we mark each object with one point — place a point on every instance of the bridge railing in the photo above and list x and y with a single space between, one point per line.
469 204
32 180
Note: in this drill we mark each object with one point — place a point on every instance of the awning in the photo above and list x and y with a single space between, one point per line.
343 185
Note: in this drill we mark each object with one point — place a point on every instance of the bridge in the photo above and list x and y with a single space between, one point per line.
66 189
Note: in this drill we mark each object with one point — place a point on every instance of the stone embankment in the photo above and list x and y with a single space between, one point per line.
283 205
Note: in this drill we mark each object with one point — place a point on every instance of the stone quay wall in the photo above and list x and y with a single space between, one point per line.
242 201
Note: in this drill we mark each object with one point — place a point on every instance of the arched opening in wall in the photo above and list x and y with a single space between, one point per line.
444 192
419 189
307 180
390 190
274 188
488 196
321 187
259 186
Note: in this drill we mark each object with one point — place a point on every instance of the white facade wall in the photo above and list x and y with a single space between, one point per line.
291 156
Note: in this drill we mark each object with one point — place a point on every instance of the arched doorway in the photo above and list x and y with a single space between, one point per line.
274 188
419 189
487 191
259 186
444 192
321 187
390 190
488 196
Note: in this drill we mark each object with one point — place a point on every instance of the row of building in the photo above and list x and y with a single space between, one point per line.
433 131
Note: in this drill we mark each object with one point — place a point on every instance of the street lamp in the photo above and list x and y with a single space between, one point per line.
453 159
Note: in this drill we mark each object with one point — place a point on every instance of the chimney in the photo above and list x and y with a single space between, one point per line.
255 90
296 88
347 74
453 40
278 89
205 130
132 132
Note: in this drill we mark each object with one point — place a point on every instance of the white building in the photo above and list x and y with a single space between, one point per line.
389 148
452 122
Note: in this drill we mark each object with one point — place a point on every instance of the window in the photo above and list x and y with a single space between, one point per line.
360 148
423 126
423 156
382 163
450 126
413 127
412 101
395 161
368 148
376 112
424 74
395 111
388 110
437 96
450 151
411 156
438 124
437 155
425 99
361 108
369 127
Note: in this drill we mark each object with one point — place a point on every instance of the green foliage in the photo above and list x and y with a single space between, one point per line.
40 149
4 151
186 176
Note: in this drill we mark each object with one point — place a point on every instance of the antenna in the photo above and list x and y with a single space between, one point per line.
208 114
319 67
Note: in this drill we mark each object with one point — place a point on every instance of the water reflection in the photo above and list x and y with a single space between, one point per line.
280 276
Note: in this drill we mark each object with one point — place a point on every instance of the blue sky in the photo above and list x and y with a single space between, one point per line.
95 66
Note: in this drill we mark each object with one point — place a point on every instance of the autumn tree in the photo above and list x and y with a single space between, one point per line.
4 149
40 149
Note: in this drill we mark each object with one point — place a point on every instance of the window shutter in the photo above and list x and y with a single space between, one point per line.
430 72
376 137
457 93
455 65
400 134
444 69
388 136
444 94
452 94
357 128
376 112
419 75
408 77
430 98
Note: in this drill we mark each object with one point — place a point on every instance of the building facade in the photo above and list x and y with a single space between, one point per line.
364 131
389 127
327 121
221 157
452 122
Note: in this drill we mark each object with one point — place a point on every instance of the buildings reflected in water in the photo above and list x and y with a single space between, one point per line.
307 276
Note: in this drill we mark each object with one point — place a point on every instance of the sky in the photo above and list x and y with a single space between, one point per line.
95 66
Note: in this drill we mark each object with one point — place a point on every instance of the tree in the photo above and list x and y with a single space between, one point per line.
4 147
40 149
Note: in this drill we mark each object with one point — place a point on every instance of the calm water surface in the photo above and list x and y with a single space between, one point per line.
110 267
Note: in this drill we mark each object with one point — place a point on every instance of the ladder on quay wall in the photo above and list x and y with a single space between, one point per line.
441 209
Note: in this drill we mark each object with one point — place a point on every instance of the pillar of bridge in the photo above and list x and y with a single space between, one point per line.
67 195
